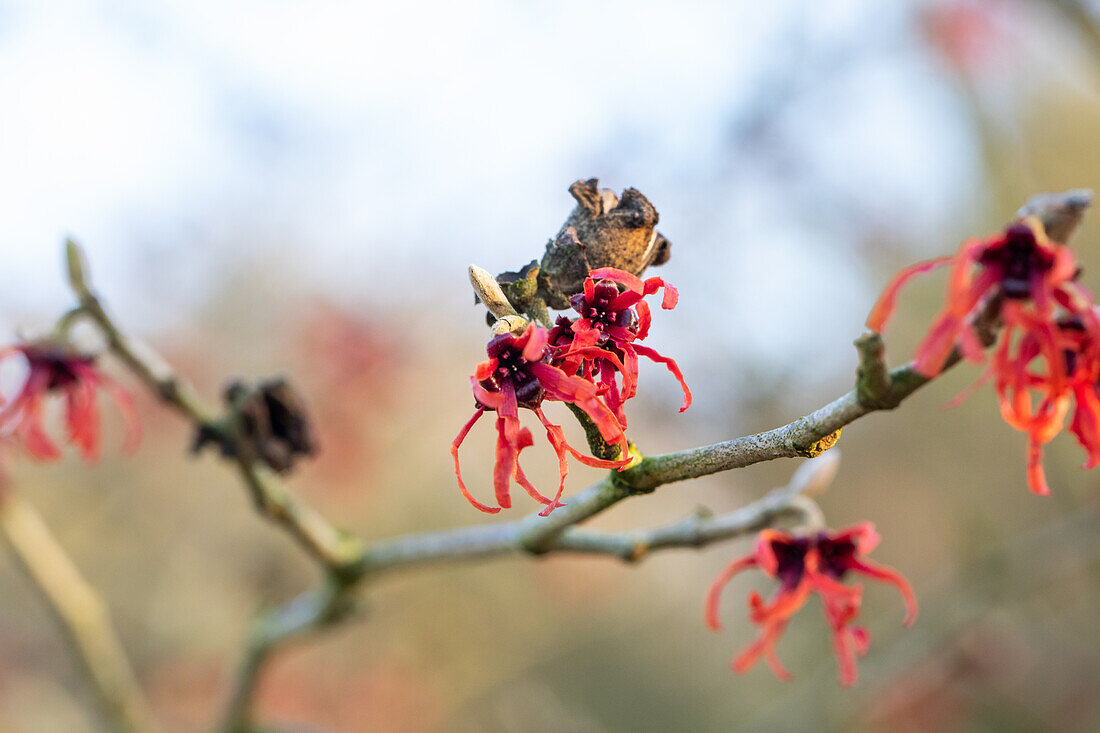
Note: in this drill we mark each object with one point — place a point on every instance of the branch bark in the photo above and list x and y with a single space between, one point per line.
317 609
307 613
695 531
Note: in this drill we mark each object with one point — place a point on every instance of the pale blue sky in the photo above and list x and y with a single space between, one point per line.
355 143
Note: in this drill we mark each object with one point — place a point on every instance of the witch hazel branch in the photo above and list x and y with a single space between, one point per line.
1015 304
1017 291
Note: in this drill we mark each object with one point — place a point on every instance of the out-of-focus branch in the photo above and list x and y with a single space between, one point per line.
317 609
1083 17
319 538
80 612
334 548
305 614
142 361
337 551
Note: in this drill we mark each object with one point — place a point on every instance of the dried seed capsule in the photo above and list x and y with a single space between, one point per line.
604 230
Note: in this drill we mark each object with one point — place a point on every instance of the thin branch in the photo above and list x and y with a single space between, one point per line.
319 538
80 612
303 615
876 389
695 531
808 436
145 363
335 549
802 437
315 610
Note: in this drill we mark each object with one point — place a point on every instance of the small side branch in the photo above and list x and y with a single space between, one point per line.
805 436
141 361
334 549
274 500
305 614
480 542
80 612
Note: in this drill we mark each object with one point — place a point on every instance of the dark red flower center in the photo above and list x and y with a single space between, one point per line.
790 560
514 368
834 557
1021 261
57 364
561 335
599 310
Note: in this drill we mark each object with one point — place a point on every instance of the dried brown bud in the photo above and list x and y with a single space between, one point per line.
604 230
272 426
616 232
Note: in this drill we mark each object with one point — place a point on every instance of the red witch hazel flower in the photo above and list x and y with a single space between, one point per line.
602 343
1032 281
58 369
1032 273
1016 382
804 565
1083 365
519 374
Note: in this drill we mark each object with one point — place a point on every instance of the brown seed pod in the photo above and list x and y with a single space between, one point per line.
604 230
272 425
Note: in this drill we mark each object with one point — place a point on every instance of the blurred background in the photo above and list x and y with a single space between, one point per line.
297 188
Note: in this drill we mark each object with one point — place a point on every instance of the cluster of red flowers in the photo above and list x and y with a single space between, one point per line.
1045 364
602 343
590 362
1049 349
58 369
804 565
